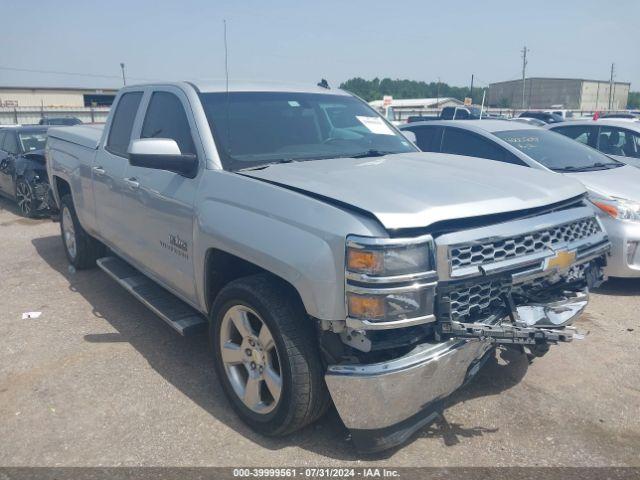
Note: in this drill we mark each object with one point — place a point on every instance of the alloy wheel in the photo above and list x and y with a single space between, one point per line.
69 232
24 196
250 358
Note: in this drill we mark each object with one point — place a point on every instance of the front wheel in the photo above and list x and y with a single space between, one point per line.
25 198
266 355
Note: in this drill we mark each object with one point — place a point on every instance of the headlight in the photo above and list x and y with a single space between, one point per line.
619 208
389 282
378 258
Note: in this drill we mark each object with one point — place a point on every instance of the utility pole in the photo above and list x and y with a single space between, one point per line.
124 79
613 68
471 90
524 72
438 93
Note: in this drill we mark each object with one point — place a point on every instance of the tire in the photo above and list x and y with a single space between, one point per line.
25 198
303 397
82 249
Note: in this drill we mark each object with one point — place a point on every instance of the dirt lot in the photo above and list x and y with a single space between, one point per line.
99 380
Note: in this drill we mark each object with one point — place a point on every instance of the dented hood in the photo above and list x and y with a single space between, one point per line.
413 190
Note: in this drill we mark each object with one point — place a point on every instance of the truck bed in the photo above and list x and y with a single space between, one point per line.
84 135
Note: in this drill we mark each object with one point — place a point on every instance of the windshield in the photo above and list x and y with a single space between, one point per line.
253 129
32 141
556 151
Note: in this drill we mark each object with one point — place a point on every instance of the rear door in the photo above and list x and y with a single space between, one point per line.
158 204
108 172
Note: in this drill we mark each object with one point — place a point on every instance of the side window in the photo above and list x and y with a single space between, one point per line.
582 133
427 138
631 145
611 140
461 142
11 143
122 124
166 118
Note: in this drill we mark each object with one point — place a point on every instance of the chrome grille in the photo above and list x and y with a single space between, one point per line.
480 253
473 300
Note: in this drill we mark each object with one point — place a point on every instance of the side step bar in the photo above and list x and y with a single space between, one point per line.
181 317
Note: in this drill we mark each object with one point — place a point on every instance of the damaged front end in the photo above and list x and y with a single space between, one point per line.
413 337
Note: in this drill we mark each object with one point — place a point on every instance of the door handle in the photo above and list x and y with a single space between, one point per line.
99 170
133 183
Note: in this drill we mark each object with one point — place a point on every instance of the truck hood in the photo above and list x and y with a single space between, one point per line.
621 182
413 190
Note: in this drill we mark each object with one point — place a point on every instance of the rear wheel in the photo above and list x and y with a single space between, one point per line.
266 355
25 198
81 248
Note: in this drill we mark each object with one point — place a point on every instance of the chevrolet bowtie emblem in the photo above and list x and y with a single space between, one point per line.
560 260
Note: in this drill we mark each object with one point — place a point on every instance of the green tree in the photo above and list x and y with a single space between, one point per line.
375 89
634 100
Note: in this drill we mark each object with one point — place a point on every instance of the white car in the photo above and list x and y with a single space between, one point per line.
612 185
618 138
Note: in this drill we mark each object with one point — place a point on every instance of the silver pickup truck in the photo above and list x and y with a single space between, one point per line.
328 259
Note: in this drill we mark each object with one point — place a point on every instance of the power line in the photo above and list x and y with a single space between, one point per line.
78 74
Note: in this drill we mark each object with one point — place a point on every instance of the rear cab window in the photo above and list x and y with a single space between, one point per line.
122 123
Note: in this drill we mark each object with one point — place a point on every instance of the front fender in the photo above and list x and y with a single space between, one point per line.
297 238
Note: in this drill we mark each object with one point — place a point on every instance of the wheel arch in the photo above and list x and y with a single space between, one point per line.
222 267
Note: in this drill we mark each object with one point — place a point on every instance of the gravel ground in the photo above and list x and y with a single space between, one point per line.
98 380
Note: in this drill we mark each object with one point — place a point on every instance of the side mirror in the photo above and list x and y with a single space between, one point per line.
162 154
409 135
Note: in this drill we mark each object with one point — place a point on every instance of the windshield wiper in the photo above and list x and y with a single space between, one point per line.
370 153
268 164
589 168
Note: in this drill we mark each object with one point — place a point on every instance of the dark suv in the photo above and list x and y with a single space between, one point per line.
23 172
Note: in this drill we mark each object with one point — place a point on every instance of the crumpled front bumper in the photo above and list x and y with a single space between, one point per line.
383 404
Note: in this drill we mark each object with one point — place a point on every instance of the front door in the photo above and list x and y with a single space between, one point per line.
159 205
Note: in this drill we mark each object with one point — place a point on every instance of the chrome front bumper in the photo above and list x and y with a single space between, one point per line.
384 403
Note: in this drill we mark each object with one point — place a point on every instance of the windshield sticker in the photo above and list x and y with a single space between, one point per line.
293 103
375 125
523 143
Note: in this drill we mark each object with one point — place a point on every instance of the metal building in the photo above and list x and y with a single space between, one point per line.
57 97
565 93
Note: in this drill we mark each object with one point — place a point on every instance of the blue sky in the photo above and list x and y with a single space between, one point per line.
302 41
